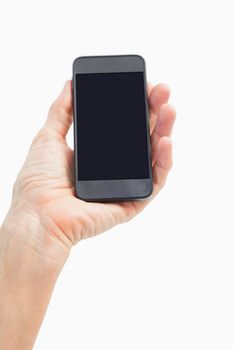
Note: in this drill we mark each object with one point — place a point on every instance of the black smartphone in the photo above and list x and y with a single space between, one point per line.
111 128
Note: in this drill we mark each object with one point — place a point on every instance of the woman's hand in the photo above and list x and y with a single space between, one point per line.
45 185
45 218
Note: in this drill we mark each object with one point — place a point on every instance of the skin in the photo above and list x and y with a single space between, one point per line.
45 218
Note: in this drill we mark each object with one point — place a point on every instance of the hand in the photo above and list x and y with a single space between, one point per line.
45 218
45 185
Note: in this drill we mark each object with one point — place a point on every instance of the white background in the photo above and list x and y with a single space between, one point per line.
164 280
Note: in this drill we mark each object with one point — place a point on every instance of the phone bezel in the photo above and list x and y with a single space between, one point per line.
111 190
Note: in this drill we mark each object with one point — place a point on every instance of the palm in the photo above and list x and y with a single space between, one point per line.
47 177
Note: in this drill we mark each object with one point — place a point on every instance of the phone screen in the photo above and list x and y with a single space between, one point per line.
111 126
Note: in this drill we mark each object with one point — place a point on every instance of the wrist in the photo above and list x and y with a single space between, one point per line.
29 266
25 245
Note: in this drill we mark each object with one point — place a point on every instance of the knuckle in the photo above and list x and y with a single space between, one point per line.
54 107
43 135
47 135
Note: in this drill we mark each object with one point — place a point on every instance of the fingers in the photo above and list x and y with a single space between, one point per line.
161 146
158 96
165 121
60 114
164 126
163 162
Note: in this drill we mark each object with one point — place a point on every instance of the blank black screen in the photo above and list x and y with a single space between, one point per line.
111 126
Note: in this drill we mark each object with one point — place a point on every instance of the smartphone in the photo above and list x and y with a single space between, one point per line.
111 128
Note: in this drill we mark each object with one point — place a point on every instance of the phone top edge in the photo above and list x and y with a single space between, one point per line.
108 63
105 56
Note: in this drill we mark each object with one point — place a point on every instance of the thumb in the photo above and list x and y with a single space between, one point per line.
60 113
